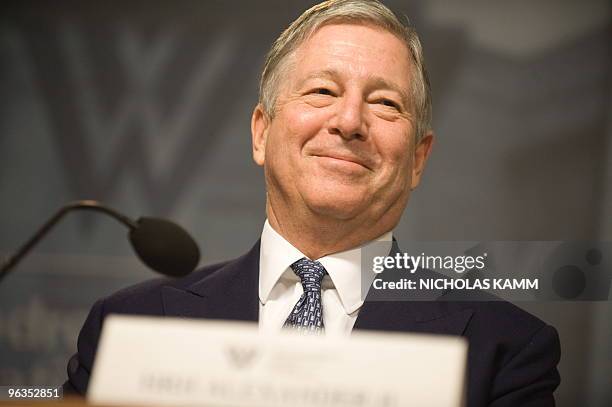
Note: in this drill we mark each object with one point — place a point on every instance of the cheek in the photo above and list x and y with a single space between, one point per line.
395 145
395 151
292 127
303 122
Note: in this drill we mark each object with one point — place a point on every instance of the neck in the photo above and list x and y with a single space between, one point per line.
317 236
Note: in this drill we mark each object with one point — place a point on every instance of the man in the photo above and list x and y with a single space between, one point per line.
342 131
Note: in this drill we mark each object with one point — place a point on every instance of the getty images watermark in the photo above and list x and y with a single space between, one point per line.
487 271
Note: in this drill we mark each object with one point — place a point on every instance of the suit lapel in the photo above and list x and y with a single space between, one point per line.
414 316
430 314
227 293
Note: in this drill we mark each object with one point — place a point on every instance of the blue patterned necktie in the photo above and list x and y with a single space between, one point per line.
307 315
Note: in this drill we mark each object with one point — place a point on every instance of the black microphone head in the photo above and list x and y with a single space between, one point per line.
164 246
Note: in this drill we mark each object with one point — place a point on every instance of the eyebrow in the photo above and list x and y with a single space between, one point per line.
374 82
377 82
324 74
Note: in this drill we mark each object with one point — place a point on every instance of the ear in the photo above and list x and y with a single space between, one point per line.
421 153
259 134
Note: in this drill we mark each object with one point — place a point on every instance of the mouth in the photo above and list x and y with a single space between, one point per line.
344 160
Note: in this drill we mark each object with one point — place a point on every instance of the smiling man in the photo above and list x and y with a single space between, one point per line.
342 130
339 144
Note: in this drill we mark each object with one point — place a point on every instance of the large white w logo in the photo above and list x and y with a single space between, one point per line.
140 106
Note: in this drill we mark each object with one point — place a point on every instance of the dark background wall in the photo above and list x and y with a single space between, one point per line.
146 106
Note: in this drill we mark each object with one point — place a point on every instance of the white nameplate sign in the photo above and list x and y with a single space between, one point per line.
167 361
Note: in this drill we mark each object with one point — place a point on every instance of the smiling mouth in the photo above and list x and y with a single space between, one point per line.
346 160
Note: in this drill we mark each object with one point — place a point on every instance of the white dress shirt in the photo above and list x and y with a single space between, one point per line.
280 288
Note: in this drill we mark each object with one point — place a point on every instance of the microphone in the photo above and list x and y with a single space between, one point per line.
160 244
164 246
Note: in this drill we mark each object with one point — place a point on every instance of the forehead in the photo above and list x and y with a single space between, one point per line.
357 50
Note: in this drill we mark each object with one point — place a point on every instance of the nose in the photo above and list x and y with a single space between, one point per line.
348 120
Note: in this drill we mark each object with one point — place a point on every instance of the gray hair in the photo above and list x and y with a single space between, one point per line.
351 11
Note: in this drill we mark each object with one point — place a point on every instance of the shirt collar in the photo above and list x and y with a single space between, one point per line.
344 268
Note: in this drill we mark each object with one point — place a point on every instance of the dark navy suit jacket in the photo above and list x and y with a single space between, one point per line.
512 355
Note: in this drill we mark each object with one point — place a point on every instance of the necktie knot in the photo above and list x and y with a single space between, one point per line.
310 272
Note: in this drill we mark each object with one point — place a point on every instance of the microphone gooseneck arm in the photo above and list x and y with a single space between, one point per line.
44 229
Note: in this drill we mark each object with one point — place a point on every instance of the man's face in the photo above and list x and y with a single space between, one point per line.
341 143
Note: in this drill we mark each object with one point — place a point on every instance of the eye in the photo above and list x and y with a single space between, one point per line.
322 91
389 103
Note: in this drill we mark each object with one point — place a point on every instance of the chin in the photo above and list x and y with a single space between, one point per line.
337 207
